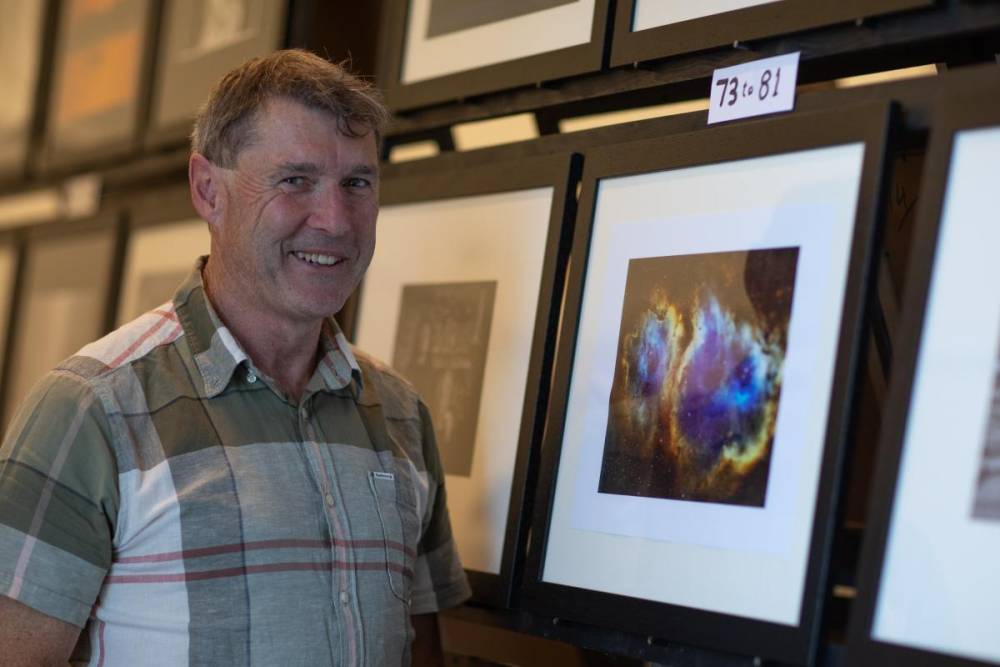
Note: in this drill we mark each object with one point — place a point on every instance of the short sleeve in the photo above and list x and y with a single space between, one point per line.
439 580
58 499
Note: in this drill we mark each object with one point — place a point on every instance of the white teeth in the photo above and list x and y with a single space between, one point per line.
323 260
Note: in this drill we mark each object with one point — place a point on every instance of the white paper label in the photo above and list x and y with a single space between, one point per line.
754 89
383 475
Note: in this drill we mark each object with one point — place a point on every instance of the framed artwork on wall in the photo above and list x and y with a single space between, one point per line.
929 582
22 33
100 79
443 50
165 238
8 281
650 29
200 42
706 365
66 289
462 298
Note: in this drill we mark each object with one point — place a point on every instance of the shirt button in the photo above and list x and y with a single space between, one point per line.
251 378
345 597
304 413
329 500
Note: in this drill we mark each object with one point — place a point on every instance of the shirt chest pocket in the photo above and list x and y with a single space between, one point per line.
400 529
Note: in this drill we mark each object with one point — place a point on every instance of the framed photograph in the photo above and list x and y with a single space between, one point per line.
21 37
66 290
706 365
650 29
8 282
443 50
165 238
462 298
200 42
929 583
99 79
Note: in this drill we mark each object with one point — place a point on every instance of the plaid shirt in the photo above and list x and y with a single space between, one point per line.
160 491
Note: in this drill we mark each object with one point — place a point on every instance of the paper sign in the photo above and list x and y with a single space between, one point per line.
754 89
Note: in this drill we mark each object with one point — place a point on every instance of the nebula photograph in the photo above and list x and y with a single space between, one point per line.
698 375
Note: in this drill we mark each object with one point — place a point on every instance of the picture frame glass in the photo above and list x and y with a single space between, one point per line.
63 303
461 327
449 36
158 259
938 586
697 411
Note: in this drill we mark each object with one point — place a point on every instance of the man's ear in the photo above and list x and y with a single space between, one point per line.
206 190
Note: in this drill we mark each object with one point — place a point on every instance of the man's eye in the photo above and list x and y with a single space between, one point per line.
357 183
294 181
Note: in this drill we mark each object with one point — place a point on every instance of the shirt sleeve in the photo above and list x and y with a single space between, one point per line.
439 580
58 499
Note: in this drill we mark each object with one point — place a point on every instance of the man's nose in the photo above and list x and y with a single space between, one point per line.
331 211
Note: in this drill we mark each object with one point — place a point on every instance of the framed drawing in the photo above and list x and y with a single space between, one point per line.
705 371
200 42
929 582
650 29
64 300
463 299
99 79
21 39
165 238
8 282
443 50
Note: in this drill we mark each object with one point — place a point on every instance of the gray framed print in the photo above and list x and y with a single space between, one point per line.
21 38
710 341
98 81
459 299
651 29
200 41
440 50
63 304
928 580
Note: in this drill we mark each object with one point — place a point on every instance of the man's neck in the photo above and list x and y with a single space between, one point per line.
284 350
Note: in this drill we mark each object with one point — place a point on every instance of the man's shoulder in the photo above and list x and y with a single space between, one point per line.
127 344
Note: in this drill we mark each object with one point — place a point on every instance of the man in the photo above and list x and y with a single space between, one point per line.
222 481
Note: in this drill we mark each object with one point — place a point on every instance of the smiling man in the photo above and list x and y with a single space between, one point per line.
224 481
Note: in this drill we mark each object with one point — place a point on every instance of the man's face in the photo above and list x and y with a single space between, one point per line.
298 226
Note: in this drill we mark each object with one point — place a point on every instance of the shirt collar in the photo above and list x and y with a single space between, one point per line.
218 354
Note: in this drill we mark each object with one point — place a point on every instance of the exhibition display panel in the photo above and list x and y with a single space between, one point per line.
21 37
705 370
441 50
462 298
929 580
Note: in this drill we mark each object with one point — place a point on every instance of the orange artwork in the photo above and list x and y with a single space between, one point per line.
99 77
83 8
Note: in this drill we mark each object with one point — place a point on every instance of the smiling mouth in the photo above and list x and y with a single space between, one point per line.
317 260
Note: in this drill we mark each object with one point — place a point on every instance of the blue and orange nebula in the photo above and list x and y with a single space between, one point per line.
695 396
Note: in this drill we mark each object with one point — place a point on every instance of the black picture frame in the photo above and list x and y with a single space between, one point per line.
953 114
561 173
101 234
185 73
109 128
504 74
751 23
11 250
664 623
